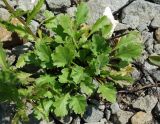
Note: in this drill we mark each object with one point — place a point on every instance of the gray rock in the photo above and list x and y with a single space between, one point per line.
136 74
4 14
146 103
71 11
122 117
34 26
26 4
22 48
76 121
121 26
114 108
157 48
143 58
107 114
102 121
56 4
97 7
156 75
142 118
155 22
156 111
148 67
149 44
92 114
140 12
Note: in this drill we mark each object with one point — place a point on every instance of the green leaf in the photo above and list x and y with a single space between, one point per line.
106 31
67 24
87 86
99 45
63 56
45 79
124 50
23 77
50 20
132 37
78 104
35 10
3 62
77 74
100 23
27 58
61 106
82 13
21 61
8 87
98 63
44 52
108 92
129 52
155 59
65 75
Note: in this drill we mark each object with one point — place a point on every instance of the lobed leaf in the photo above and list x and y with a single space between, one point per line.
82 13
108 92
63 56
60 105
78 104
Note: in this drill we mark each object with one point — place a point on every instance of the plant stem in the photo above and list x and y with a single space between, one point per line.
11 10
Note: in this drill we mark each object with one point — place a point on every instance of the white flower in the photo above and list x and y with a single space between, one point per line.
108 13
33 1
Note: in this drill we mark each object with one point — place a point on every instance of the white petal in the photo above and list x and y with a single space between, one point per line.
108 13
33 1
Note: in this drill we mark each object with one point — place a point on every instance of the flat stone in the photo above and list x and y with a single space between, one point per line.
107 114
157 48
102 121
4 14
121 26
114 108
155 22
97 7
142 118
136 74
149 67
71 11
140 12
157 35
122 117
146 103
92 114
156 75
56 4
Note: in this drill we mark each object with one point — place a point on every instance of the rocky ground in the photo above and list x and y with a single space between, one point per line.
137 105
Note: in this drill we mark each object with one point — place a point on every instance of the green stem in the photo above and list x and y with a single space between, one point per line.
11 10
